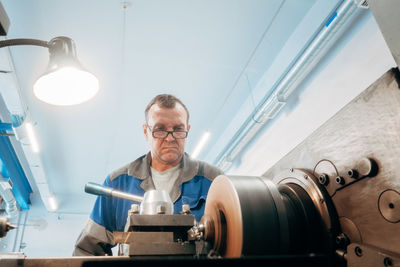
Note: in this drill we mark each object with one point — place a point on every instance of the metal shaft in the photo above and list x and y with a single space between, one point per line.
96 189
23 41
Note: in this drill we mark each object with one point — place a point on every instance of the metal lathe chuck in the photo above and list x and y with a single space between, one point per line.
249 216
5 226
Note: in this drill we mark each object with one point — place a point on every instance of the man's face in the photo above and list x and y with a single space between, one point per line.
168 150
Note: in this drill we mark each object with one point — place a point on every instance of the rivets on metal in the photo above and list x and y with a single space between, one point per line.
358 251
352 173
340 180
161 209
134 208
323 179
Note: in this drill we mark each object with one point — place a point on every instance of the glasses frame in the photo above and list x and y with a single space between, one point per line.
167 133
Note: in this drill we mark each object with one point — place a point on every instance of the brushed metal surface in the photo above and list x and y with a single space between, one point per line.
360 255
368 127
176 220
143 237
350 229
224 211
153 249
155 199
308 183
386 14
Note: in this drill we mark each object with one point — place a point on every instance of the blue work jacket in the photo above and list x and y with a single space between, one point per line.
110 214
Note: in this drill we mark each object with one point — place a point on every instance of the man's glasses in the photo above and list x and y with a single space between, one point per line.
163 134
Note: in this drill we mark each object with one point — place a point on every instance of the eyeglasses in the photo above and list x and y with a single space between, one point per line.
163 134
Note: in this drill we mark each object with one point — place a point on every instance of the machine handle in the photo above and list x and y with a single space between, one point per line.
96 189
100 190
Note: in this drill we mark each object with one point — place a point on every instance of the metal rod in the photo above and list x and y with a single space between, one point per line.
96 189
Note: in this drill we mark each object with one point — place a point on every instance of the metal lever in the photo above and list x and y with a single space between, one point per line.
96 189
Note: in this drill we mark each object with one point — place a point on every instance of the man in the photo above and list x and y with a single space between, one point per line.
166 167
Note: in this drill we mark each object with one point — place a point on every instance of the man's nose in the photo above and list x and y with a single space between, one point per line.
169 137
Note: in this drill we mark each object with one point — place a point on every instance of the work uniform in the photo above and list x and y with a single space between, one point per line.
110 214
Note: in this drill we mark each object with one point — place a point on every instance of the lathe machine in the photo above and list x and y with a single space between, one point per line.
334 200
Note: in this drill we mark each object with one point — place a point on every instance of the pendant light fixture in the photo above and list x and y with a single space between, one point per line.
65 82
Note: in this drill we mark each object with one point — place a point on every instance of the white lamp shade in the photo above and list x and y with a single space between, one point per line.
66 86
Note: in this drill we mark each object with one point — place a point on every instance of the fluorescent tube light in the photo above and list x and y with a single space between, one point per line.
200 145
52 201
32 137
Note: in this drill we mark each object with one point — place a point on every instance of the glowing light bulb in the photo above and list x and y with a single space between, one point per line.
66 86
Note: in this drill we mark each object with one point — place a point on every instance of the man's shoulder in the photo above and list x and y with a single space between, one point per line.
208 171
127 169
120 171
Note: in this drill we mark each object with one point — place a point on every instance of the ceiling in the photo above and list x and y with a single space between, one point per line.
208 53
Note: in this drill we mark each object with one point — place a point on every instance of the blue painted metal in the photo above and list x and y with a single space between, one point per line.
3 170
11 168
5 126
331 19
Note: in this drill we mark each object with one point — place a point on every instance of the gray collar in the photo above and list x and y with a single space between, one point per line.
140 168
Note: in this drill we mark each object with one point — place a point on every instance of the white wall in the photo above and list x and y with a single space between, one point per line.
57 239
46 234
52 234
357 60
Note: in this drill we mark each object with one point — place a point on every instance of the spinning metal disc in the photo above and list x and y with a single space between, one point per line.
250 216
223 219
241 217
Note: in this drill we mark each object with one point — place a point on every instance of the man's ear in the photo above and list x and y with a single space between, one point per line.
188 127
144 126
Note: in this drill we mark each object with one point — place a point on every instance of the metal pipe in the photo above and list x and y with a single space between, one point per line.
23 41
273 102
96 189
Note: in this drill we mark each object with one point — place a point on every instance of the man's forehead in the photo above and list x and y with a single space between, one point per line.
161 115
161 124
177 106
